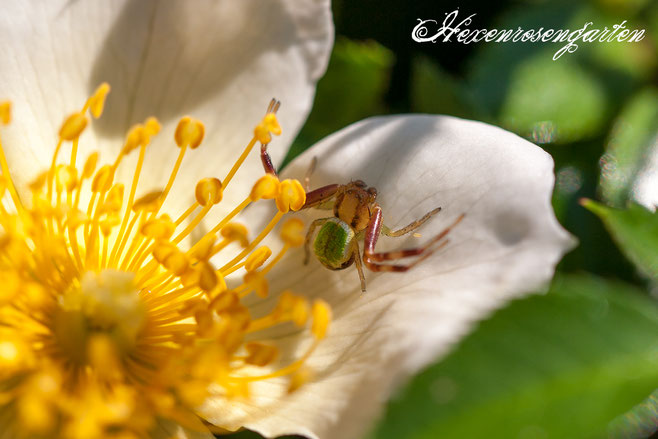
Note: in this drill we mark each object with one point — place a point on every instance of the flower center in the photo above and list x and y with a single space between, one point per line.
108 316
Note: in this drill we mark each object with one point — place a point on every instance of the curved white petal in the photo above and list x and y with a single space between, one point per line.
506 246
219 60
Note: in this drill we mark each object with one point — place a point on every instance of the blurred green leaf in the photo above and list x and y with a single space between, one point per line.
435 91
637 60
639 423
626 149
571 99
635 230
552 366
352 89
554 101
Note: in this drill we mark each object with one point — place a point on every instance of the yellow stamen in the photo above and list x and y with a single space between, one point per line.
111 318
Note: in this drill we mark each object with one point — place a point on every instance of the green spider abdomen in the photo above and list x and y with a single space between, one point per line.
333 244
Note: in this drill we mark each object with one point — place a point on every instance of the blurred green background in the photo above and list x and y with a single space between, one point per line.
582 360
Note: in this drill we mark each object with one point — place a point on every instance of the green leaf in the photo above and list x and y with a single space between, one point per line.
639 423
635 230
627 147
571 99
435 91
352 89
561 365
551 101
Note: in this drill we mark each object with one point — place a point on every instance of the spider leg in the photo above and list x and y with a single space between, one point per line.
320 195
371 258
265 158
359 265
309 235
412 226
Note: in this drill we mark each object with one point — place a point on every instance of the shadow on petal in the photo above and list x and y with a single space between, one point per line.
167 58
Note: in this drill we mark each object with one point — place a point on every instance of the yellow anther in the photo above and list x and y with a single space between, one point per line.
262 133
38 183
5 112
177 263
207 276
108 223
190 278
152 126
171 258
189 132
208 191
272 124
291 307
286 301
114 199
103 179
75 218
136 137
147 203
236 232
224 301
266 187
73 126
299 312
159 229
259 354
302 376
291 196
90 165
257 258
257 282
67 177
162 250
292 232
204 322
96 102
321 318
203 249
268 126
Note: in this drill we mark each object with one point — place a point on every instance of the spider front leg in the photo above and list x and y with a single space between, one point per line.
267 160
372 259
320 195
359 265
412 226
264 156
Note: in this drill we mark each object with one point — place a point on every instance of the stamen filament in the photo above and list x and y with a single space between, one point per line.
239 162
10 182
131 199
255 242
281 372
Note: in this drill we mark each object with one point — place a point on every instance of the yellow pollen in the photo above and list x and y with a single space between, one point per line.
114 315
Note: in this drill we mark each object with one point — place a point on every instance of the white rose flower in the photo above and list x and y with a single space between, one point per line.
135 304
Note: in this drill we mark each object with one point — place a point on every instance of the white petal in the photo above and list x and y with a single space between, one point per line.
507 246
220 61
